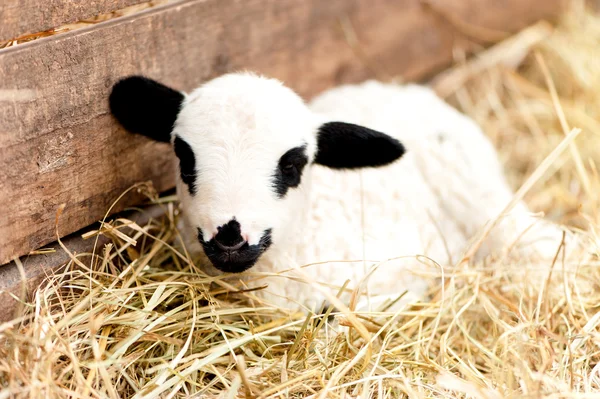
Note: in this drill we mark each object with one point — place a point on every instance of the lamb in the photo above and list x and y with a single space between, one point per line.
368 174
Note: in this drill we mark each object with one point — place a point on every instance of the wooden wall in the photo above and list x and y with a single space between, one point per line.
21 17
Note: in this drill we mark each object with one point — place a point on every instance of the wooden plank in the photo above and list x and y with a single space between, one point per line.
58 143
20 17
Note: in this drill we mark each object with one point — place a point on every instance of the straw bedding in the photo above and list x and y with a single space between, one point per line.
136 318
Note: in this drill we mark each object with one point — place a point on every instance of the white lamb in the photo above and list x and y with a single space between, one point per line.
268 184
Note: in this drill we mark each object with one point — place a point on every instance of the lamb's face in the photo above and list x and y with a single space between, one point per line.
244 145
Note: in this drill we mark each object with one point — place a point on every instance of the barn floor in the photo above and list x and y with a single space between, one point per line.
139 320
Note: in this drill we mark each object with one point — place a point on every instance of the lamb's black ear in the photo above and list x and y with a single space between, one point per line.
347 146
145 106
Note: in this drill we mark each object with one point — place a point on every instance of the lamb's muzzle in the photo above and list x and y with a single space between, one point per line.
229 251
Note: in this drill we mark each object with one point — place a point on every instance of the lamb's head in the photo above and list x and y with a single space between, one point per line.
245 145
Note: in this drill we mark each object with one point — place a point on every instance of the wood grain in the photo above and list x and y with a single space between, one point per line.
19 17
58 143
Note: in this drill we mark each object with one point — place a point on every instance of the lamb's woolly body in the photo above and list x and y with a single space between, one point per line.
431 202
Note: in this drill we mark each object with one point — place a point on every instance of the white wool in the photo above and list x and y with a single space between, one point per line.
430 203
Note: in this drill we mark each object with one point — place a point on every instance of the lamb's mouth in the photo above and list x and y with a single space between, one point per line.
235 261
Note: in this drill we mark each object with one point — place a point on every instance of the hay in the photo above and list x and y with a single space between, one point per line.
138 319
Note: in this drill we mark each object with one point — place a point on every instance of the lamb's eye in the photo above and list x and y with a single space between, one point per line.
288 172
288 168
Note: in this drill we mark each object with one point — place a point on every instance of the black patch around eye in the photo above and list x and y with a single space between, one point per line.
289 170
187 163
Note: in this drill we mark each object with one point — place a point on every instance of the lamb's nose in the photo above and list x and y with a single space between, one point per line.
229 236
